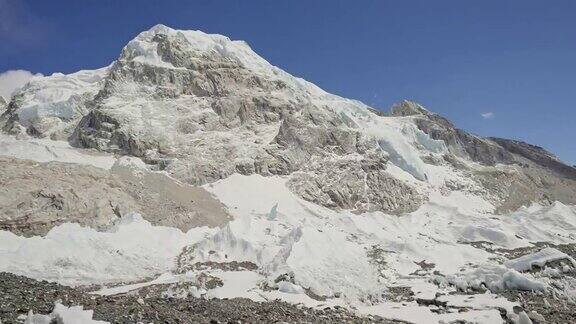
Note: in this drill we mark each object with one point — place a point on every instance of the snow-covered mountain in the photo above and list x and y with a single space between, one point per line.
245 173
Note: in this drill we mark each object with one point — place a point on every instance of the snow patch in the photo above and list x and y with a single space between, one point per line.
538 259
63 315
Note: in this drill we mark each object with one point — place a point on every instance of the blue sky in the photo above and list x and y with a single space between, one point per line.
495 68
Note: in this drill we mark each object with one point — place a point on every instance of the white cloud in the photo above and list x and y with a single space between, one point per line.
487 115
12 80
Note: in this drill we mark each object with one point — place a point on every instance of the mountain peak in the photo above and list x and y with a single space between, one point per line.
160 28
408 108
147 47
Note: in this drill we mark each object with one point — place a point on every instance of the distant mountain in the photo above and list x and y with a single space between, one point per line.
203 107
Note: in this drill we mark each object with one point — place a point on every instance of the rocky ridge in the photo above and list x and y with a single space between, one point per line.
515 174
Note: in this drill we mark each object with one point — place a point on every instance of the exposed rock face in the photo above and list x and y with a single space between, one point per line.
37 197
407 108
358 184
537 155
34 197
521 185
3 105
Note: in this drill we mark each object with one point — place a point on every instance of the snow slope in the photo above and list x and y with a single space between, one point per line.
45 150
74 255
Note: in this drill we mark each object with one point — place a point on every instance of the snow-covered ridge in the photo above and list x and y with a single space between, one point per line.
203 120
186 98
48 103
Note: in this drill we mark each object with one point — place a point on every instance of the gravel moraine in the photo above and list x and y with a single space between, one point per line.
19 294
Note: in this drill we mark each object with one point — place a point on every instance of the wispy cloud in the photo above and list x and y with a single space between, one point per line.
12 80
487 115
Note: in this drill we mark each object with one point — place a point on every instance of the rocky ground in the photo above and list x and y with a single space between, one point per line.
551 309
19 294
551 305
541 308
